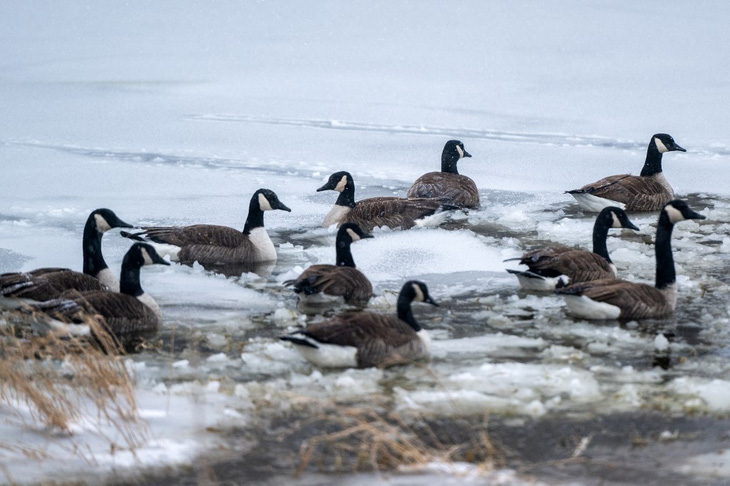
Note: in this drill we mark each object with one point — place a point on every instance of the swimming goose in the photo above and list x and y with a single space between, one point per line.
48 283
393 212
129 314
619 299
448 185
343 280
553 264
218 245
649 191
365 339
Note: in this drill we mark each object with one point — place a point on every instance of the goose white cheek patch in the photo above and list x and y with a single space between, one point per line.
660 146
419 294
146 257
616 222
675 215
341 185
461 151
264 203
101 224
353 235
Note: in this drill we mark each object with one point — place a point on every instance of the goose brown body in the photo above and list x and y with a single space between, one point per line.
565 264
391 212
130 315
364 339
636 193
381 340
219 245
648 191
48 283
448 186
454 189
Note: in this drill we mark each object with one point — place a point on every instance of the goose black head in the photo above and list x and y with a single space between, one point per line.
454 148
416 291
678 210
337 182
105 219
350 232
141 254
665 143
267 200
617 218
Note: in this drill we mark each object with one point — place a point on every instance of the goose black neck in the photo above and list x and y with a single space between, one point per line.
600 234
344 255
405 313
93 259
129 281
448 163
347 196
653 163
255 218
665 273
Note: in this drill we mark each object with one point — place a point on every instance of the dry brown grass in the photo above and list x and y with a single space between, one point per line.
59 380
364 439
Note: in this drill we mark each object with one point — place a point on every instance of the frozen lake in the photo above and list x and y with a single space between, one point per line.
174 113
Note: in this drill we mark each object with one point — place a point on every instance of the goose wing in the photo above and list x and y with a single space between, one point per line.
393 212
636 300
46 283
453 189
636 192
381 340
347 282
198 234
578 265
547 253
357 328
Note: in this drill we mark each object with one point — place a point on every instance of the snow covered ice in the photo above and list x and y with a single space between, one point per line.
174 114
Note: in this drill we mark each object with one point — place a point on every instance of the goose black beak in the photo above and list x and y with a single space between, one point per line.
694 215
466 154
326 187
366 235
280 205
429 300
121 224
632 226
156 258
678 148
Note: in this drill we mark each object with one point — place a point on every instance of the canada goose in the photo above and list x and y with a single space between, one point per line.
48 283
129 314
342 280
553 264
393 212
619 299
218 245
448 185
649 191
364 339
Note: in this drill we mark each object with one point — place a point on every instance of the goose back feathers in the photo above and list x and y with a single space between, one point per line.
48 283
559 265
392 212
619 299
648 191
342 280
211 244
365 339
129 315
448 186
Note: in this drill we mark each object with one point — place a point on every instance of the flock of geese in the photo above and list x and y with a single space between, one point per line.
66 299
